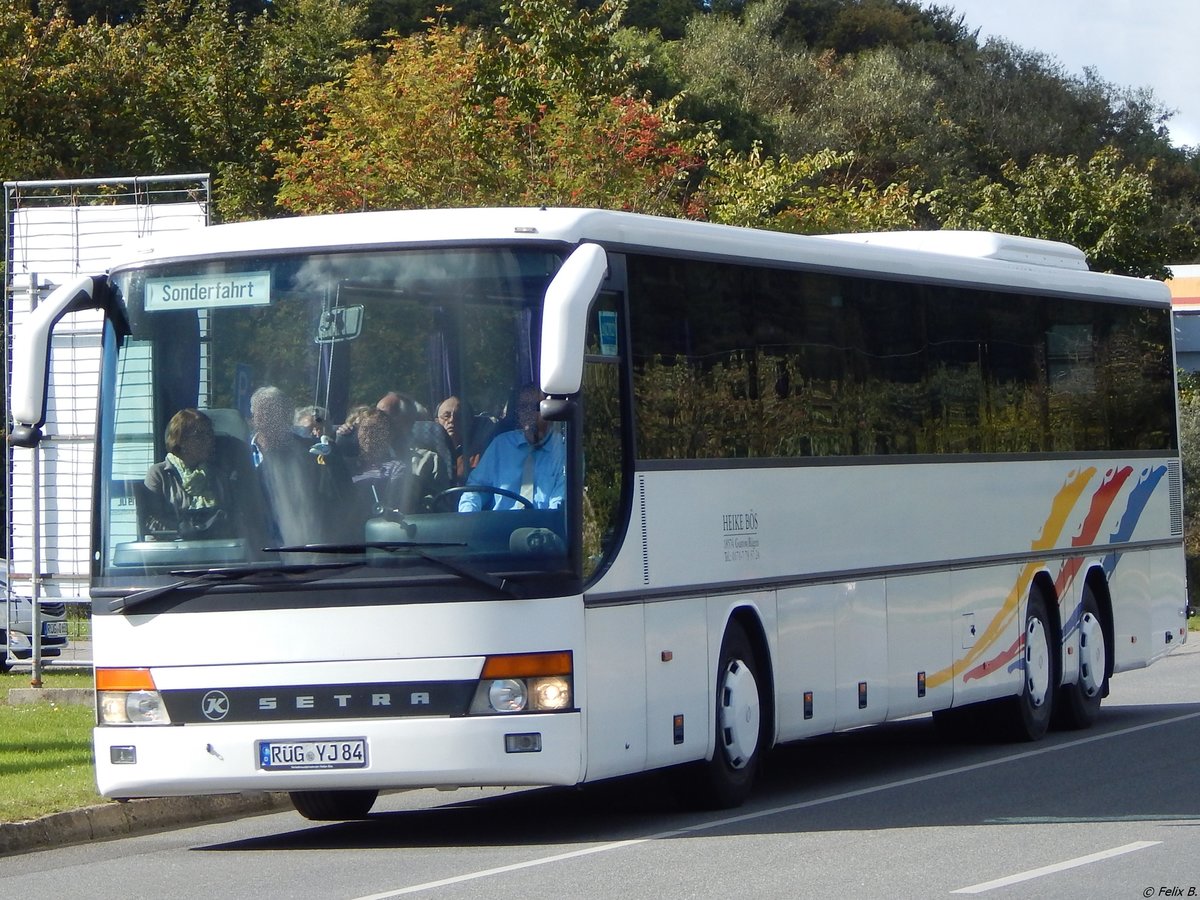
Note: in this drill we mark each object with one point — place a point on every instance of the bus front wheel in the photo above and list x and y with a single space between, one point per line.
725 780
327 806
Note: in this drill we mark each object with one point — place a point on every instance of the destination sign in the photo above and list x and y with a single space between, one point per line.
205 291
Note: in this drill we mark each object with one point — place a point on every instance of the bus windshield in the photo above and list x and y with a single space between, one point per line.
303 409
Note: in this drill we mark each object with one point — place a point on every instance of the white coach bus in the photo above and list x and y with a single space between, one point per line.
804 484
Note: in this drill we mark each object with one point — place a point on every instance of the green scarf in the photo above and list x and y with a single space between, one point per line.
195 484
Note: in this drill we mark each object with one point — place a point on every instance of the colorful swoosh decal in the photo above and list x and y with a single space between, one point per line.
1138 498
1100 503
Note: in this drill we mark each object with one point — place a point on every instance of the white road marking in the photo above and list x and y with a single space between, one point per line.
776 810
1056 867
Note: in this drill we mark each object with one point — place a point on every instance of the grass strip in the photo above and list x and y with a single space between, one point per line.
45 751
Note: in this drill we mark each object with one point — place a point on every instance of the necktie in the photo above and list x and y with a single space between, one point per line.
527 477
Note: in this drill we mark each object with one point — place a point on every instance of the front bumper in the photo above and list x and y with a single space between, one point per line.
414 752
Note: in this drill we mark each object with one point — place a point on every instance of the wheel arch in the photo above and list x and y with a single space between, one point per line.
751 623
1044 583
1098 583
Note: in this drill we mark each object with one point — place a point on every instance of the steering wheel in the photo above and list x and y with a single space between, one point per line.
440 500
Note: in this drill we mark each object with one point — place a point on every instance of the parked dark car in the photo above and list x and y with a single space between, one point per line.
16 642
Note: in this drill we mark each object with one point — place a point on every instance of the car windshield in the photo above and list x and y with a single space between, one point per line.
320 408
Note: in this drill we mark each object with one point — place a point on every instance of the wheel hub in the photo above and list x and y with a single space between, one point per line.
1037 662
1092 655
739 714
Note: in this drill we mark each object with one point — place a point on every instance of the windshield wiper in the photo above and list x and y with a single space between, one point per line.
479 576
359 548
222 575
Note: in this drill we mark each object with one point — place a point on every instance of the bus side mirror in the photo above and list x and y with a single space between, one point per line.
558 409
564 318
31 358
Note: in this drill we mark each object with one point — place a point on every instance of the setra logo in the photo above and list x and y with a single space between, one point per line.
215 705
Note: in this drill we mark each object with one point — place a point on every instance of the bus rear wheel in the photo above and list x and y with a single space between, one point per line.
1078 704
725 781
327 806
1026 717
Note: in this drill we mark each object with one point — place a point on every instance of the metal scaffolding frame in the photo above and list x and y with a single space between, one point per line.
56 230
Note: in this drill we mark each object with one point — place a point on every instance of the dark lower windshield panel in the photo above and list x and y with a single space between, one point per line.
323 406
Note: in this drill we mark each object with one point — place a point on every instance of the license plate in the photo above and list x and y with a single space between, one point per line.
54 629
336 753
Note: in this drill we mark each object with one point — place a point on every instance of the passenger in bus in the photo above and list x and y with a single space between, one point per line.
529 461
467 436
309 421
194 492
385 483
304 492
345 436
402 411
390 479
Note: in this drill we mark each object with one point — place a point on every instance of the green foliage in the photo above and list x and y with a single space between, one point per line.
851 26
879 104
801 115
1189 443
909 91
551 105
739 71
404 17
1107 209
1189 453
810 195
183 87
539 114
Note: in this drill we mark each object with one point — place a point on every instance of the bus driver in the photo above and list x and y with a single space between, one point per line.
529 461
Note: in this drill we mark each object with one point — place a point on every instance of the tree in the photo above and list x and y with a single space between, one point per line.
811 195
798 101
114 12
1106 208
300 44
1189 452
405 17
540 113
182 87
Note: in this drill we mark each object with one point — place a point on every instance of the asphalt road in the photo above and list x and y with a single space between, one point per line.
888 812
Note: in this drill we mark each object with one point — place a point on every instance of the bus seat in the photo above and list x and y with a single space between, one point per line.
429 435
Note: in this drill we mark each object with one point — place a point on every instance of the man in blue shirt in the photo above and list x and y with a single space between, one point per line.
529 461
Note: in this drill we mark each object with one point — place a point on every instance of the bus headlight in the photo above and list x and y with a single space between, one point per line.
526 682
508 695
131 708
550 693
128 697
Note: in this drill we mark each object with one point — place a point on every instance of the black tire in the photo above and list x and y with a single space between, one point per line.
726 780
1078 704
1026 717
327 806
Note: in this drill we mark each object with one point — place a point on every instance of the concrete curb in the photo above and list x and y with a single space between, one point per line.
115 820
62 696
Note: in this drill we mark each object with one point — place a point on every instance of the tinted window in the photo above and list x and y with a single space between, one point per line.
738 362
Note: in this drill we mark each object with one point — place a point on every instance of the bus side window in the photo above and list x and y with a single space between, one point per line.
603 482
